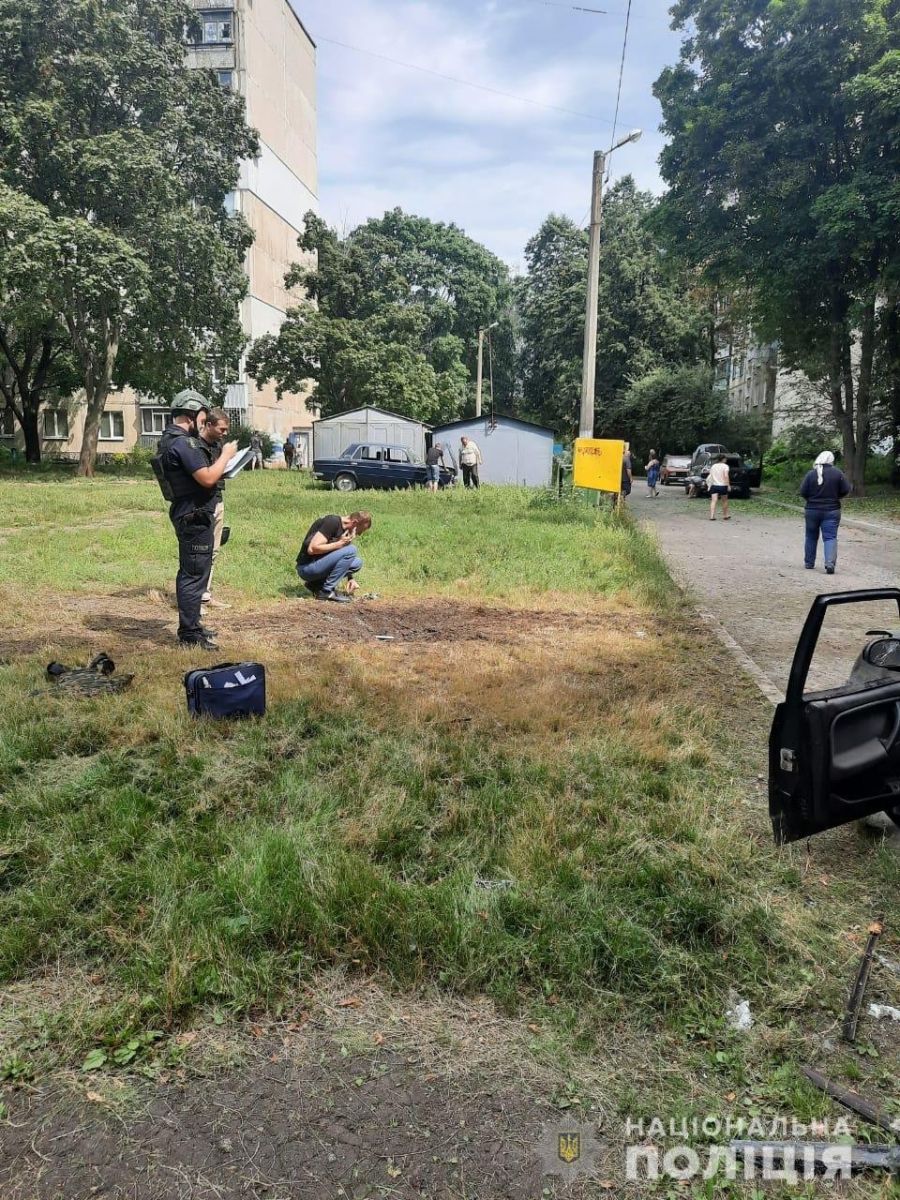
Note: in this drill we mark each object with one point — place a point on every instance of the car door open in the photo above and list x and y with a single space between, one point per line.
834 755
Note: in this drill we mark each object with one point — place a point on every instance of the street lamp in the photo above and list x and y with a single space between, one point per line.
481 333
589 366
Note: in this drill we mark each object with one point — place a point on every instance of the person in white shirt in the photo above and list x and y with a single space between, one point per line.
470 460
719 481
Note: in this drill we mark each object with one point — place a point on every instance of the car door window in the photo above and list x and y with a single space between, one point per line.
834 754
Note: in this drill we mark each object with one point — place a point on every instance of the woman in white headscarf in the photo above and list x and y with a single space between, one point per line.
823 488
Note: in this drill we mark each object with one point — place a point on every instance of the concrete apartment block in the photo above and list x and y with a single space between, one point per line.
261 49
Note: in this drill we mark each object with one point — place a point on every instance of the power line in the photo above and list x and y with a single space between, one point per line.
573 7
482 87
621 75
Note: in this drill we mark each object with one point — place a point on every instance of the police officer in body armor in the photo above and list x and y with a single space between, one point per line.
193 468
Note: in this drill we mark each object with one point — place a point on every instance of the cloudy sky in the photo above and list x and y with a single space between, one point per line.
390 135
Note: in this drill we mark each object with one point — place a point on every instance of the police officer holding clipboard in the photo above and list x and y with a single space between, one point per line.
189 470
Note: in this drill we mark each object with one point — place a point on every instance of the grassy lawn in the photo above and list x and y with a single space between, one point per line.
881 502
538 810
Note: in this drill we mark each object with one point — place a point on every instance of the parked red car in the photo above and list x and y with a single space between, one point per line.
675 468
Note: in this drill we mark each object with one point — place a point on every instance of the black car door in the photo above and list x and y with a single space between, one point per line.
834 756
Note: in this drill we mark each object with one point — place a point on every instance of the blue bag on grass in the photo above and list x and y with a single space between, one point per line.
227 690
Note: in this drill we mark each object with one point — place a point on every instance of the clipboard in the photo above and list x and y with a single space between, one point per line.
238 463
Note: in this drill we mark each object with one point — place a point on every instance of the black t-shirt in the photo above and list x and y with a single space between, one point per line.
333 529
214 450
434 456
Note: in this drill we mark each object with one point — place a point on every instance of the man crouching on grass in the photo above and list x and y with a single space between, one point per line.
328 555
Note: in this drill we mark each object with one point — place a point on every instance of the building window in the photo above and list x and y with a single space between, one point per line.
225 79
154 420
7 423
216 28
56 424
112 427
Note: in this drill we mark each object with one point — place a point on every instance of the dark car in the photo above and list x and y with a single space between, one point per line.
753 462
675 468
834 755
704 456
375 465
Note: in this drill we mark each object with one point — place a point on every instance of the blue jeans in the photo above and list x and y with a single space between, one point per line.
826 520
331 568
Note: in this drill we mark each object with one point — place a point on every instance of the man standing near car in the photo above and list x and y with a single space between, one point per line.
470 460
192 471
328 555
434 460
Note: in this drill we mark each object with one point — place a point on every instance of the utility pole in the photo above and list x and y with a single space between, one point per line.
480 376
589 365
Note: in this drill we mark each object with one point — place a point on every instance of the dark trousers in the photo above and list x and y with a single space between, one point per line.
195 552
470 474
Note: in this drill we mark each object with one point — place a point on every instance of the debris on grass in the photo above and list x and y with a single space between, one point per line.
879 1011
873 1111
855 1002
739 1016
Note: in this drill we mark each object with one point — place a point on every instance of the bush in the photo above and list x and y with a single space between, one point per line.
243 433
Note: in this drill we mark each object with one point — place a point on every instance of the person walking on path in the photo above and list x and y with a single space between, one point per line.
328 555
719 482
288 454
470 460
256 460
823 488
652 468
434 460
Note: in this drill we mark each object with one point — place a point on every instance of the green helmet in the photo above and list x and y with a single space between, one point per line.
189 401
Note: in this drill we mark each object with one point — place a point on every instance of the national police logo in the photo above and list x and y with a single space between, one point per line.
568 1150
568 1147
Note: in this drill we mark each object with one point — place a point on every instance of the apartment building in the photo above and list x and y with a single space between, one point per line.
745 370
262 50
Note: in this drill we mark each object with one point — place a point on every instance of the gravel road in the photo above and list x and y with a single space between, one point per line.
748 579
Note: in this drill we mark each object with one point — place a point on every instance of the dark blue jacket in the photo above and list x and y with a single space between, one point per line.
828 493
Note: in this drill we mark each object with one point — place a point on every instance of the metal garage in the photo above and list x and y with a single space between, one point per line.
514 451
332 435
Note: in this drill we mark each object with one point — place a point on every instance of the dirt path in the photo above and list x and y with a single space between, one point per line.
363 1095
748 577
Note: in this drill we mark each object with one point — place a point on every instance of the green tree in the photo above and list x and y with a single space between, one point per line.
783 170
671 409
649 315
398 306
551 302
35 360
130 155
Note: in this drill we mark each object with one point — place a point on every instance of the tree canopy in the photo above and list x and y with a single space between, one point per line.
784 125
398 306
649 315
125 156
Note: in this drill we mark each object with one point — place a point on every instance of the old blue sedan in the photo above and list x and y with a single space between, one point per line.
375 465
